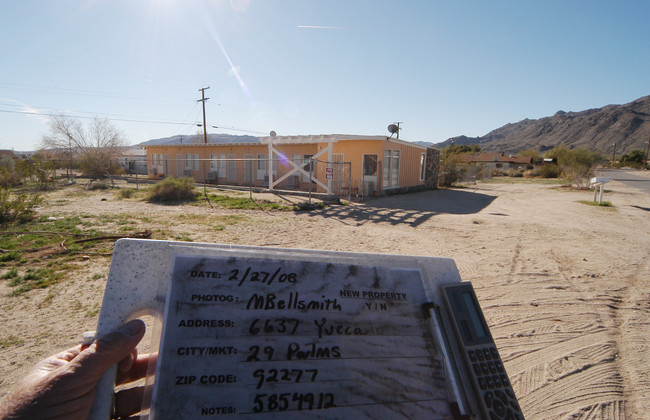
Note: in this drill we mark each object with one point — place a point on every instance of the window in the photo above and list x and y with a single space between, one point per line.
261 163
248 167
222 165
214 163
370 165
192 161
391 168
423 166
232 167
297 159
308 166
395 169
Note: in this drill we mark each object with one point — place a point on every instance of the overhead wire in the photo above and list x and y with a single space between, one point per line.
42 89
89 117
239 129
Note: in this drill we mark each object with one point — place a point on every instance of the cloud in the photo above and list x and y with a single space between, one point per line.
27 109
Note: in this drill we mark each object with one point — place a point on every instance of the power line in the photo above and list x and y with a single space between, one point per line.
239 129
180 123
43 89
88 117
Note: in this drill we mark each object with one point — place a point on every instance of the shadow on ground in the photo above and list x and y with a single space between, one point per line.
410 209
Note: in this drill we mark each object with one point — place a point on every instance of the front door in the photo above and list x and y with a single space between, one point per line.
369 175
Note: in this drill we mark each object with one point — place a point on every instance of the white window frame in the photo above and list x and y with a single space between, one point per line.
391 168
423 166
195 161
222 166
261 166
232 167
249 165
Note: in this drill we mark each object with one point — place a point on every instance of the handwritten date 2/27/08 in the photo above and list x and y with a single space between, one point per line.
264 277
295 401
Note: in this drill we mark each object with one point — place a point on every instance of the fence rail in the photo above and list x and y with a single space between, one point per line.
303 176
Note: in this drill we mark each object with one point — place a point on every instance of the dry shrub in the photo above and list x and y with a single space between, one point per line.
171 190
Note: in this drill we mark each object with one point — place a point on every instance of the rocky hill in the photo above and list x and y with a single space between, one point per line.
626 125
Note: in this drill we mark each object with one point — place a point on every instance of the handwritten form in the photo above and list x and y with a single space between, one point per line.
263 338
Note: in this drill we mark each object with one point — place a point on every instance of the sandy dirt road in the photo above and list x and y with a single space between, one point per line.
564 286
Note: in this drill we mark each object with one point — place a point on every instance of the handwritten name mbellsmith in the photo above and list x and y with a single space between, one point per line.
270 301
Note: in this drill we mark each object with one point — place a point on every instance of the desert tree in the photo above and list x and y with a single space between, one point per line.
96 146
577 164
450 157
532 153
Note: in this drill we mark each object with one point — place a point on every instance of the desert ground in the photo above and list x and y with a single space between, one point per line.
565 286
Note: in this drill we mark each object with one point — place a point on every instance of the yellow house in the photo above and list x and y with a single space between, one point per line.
331 164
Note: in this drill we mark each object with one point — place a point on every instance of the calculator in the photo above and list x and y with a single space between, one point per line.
483 365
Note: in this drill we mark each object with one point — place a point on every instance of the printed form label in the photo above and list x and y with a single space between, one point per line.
259 338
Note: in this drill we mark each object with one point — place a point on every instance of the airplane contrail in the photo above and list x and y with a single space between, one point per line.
317 27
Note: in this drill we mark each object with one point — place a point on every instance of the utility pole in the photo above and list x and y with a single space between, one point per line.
203 99
614 155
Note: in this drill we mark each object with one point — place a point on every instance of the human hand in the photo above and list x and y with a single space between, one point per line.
63 386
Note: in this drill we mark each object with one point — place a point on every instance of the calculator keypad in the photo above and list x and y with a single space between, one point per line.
493 384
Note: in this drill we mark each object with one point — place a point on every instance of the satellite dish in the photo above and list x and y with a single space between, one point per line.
273 133
393 128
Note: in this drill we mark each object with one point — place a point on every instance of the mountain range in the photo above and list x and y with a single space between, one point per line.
627 126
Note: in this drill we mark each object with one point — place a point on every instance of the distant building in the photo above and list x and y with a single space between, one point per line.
334 164
134 160
497 161
8 153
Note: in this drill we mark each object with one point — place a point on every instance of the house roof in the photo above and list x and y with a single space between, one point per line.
302 139
9 153
134 151
495 157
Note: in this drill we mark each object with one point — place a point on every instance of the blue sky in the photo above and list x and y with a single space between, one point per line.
442 68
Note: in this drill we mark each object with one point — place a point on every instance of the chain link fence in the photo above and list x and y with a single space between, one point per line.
303 175
473 173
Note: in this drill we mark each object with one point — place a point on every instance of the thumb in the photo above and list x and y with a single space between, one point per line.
109 349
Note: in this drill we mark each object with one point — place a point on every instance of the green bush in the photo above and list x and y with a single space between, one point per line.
576 164
8 175
173 190
634 159
550 171
17 207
